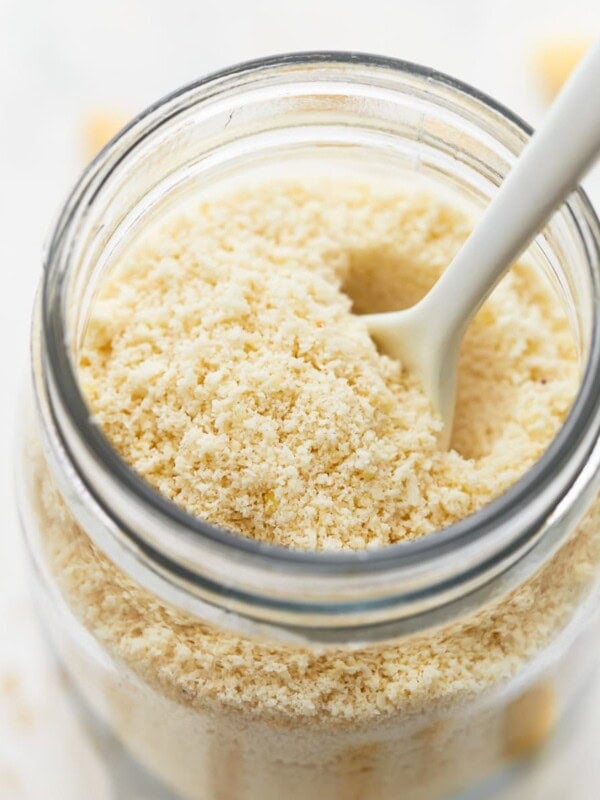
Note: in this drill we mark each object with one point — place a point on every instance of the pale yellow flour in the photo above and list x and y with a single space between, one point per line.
224 362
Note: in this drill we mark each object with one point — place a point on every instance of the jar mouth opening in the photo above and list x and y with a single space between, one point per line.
575 439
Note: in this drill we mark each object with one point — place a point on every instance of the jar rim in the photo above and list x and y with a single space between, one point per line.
573 443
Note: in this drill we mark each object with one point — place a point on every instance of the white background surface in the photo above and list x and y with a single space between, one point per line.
61 59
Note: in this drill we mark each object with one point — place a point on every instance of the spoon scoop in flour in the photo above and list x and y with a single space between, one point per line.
426 338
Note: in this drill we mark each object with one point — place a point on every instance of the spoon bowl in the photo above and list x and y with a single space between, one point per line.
412 337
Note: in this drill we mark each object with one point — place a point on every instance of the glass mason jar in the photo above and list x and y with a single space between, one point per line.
238 670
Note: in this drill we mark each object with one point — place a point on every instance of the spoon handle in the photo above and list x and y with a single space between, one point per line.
549 169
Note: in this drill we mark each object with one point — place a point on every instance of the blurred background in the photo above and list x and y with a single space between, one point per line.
71 73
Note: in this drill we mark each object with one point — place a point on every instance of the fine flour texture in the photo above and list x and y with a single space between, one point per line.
224 362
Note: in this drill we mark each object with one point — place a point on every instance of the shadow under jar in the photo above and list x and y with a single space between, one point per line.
238 670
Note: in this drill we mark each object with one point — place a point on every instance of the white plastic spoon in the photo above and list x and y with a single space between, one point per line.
427 337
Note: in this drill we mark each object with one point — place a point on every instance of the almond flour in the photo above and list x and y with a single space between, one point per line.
225 363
